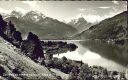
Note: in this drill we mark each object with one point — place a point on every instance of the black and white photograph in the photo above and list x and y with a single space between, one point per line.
63 40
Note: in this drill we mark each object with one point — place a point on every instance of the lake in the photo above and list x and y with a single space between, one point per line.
96 52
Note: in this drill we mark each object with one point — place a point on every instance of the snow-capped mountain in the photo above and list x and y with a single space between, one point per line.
16 14
80 24
33 16
111 28
41 25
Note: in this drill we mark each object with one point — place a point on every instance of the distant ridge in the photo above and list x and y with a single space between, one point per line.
41 25
111 28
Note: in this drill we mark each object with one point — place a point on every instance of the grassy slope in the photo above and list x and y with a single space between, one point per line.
10 59
64 76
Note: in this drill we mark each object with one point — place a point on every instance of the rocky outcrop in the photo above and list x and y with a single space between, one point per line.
32 47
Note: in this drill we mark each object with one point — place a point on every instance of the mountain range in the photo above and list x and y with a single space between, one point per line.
21 60
39 24
80 24
110 28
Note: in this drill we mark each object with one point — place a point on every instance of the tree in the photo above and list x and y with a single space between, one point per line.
57 63
64 58
3 24
32 46
85 73
72 47
17 35
11 27
2 70
73 74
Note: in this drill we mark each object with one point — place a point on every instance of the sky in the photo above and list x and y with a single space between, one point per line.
92 11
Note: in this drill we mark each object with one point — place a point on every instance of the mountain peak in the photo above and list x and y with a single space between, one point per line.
32 13
80 24
110 28
81 19
78 20
16 14
34 16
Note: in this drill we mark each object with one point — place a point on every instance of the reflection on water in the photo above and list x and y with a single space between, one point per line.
113 57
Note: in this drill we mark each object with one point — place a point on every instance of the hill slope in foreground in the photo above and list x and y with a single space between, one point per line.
11 63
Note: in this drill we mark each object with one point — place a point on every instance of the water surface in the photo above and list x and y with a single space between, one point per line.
96 52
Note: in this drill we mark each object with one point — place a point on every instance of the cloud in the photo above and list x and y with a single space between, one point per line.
115 2
81 9
90 18
30 3
33 4
104 7
19 9
95 18
4 10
